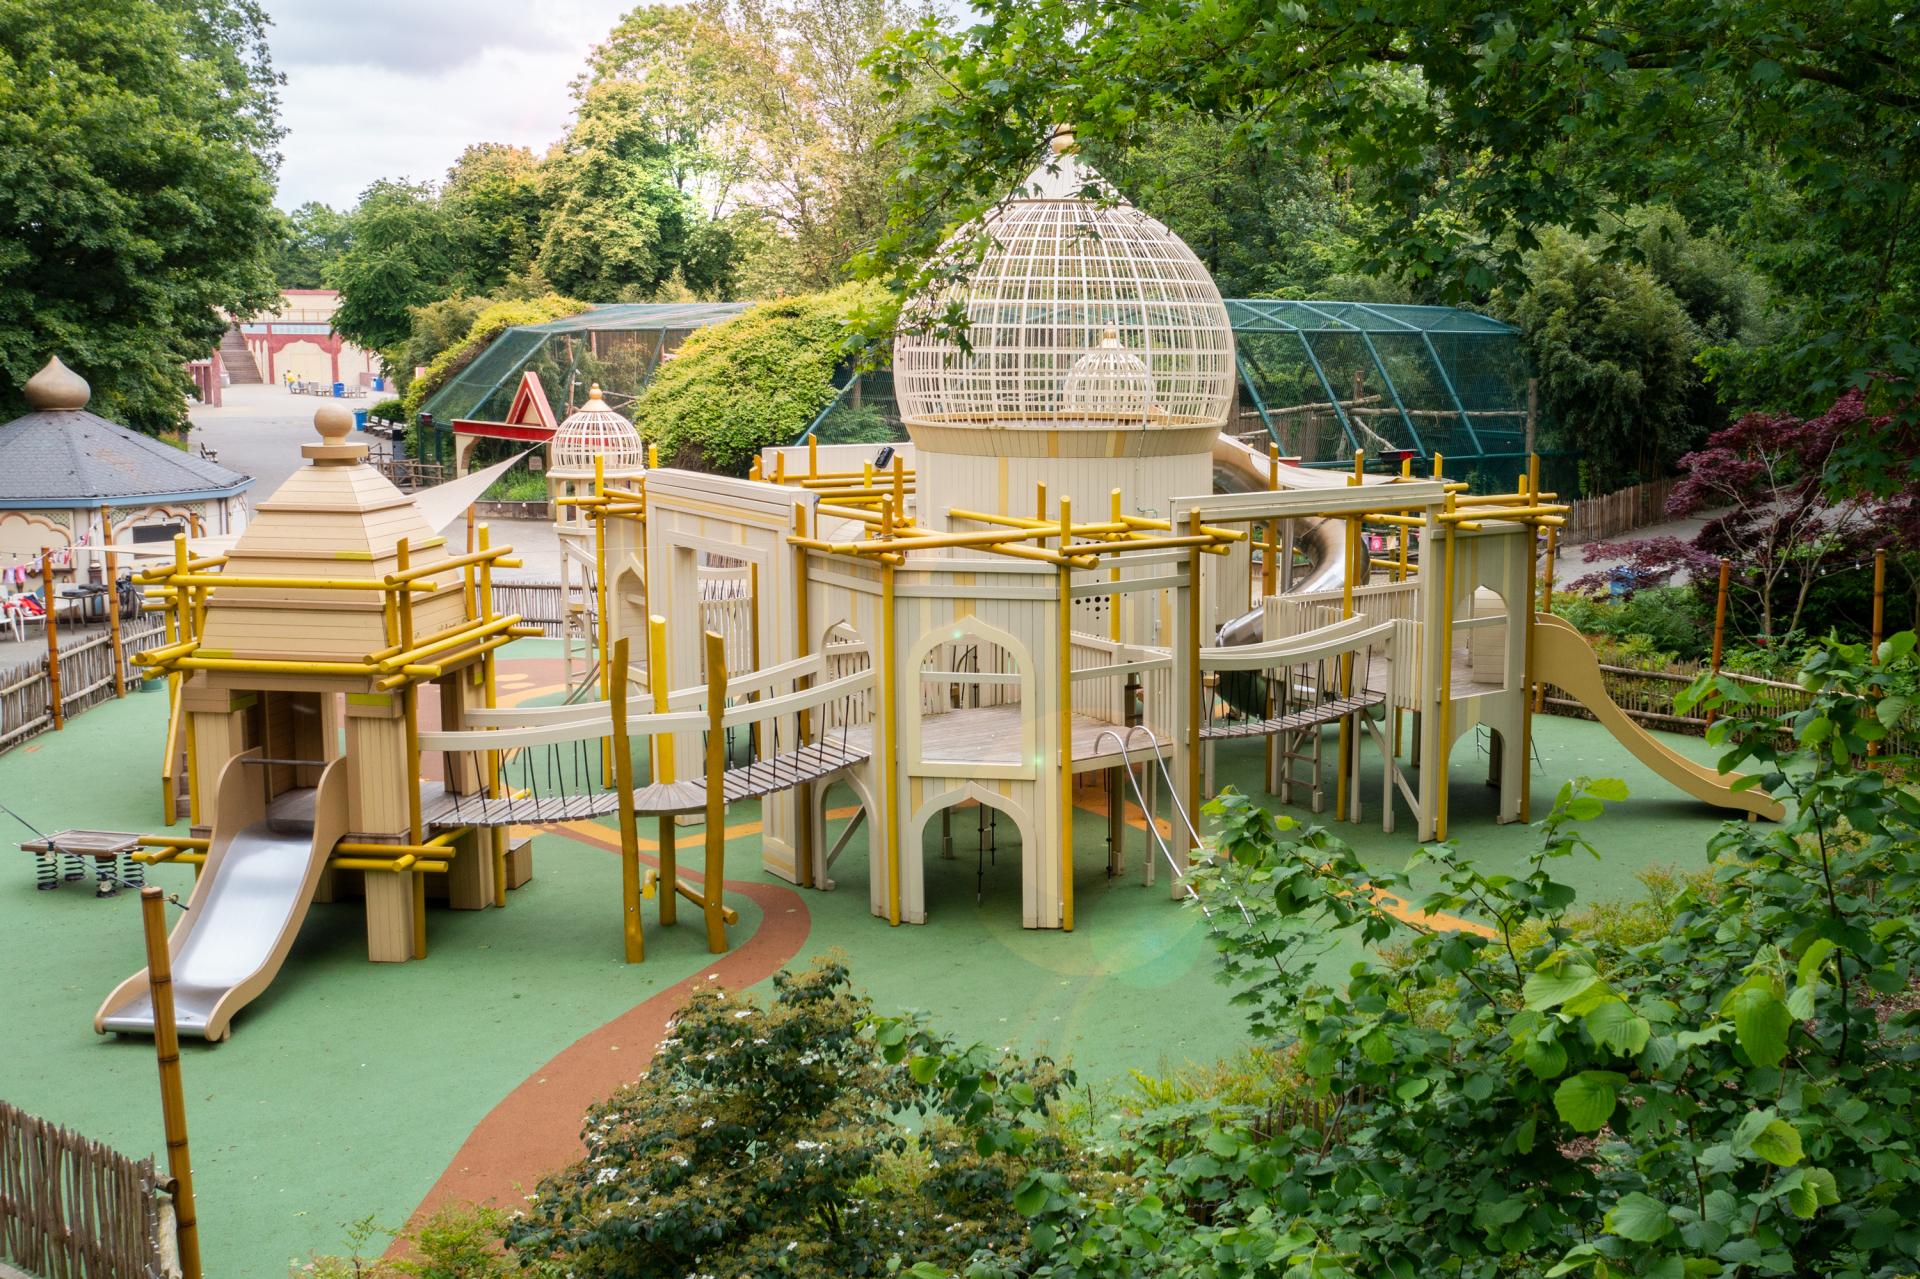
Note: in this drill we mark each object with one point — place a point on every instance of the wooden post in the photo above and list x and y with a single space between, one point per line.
600 601
1528 693
634 937
1879 598
715 885
1196 692
113 603
173 1102
1444 746
1533 412
53 638
805 797
1719 625
1546 605
490 693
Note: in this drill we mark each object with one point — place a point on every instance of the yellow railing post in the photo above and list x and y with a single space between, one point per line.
1444 746
633 933
602 620
1066 718
660 748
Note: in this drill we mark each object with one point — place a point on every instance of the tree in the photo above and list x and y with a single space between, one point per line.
494 201
401 254
1614 350
1761 483
1790 124
312 239
769 119
136 182
617 226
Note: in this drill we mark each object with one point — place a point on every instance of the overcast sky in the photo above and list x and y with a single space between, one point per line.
398 88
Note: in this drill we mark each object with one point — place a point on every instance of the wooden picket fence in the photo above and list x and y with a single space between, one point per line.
71 1208
1645 688
1593 519
86 679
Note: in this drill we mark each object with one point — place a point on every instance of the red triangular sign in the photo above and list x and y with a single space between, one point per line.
530 407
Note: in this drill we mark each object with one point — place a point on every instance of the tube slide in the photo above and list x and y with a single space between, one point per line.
262 867
1562 657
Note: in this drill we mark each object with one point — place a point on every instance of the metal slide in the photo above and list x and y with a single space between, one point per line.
262 866
1562 657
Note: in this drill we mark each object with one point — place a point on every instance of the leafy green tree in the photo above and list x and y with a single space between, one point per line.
136 182
1613 349
312 238
617 226
494 201
401 254
1791 124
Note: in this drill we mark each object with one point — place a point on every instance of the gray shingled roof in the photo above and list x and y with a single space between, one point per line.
70 457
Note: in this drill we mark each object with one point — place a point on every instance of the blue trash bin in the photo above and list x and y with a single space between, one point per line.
339 390
359 419
379 384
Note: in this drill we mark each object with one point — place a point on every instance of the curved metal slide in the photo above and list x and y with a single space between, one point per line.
1562 657
262 867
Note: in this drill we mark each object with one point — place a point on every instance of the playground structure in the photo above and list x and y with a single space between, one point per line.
1069 576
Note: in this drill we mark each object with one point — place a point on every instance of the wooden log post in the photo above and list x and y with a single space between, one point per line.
53 638
714 888
113 604
173 1102
634 937
1719 624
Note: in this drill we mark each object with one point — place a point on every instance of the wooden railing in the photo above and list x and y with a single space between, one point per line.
71 1208
86 680
1592 519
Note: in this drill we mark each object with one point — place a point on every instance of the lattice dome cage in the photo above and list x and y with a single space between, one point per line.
596 431
1081 312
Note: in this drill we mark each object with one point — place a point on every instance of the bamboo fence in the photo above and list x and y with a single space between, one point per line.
1594 519
1645 689
86 679
71 1208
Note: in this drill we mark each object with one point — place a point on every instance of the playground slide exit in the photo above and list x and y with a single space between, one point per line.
1562 657
263 864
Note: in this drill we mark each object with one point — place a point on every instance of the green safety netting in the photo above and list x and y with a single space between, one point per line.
1320 379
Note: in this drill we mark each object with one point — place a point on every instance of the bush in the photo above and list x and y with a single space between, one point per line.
755 380
388 411
453 1243
1660 619
488 325
763 1140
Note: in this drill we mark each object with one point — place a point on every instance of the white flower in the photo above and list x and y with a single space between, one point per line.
744 1012
605 1175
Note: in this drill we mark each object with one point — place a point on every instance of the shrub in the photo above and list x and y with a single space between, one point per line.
453 1243
388 411
755 380
762 1141
487 326
1662 619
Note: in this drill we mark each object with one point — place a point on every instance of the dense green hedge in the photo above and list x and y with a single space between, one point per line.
487 326
757 379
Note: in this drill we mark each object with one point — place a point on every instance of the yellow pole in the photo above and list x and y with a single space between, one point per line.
490 688
1344 751
1444 747
1270 550
1114 598
1066 720
803 647
884 733
634 936
1546 604
661 749
600 602
410 706
715 885
1196 689
173 1102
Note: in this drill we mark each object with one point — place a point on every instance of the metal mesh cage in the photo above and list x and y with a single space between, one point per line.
1060 274
596 431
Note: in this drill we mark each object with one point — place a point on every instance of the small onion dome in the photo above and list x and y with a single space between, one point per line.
596 431
1109 384
57 388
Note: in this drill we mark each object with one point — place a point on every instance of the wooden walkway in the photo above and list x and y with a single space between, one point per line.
813 762
1293 721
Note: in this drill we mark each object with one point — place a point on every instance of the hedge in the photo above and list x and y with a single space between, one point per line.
757 379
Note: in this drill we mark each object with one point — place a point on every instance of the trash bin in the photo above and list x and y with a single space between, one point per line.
379 384
339 390
359 419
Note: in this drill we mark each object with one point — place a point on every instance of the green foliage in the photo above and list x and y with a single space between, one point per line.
136 183
762 1141
1655 619
1718 1083
388 410
1613 350
452 1243
400 255
487 325
755 380
518 485
494 200
312 238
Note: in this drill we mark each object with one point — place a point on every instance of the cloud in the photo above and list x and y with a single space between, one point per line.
398 88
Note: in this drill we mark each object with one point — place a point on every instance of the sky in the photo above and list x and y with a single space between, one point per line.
399 88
